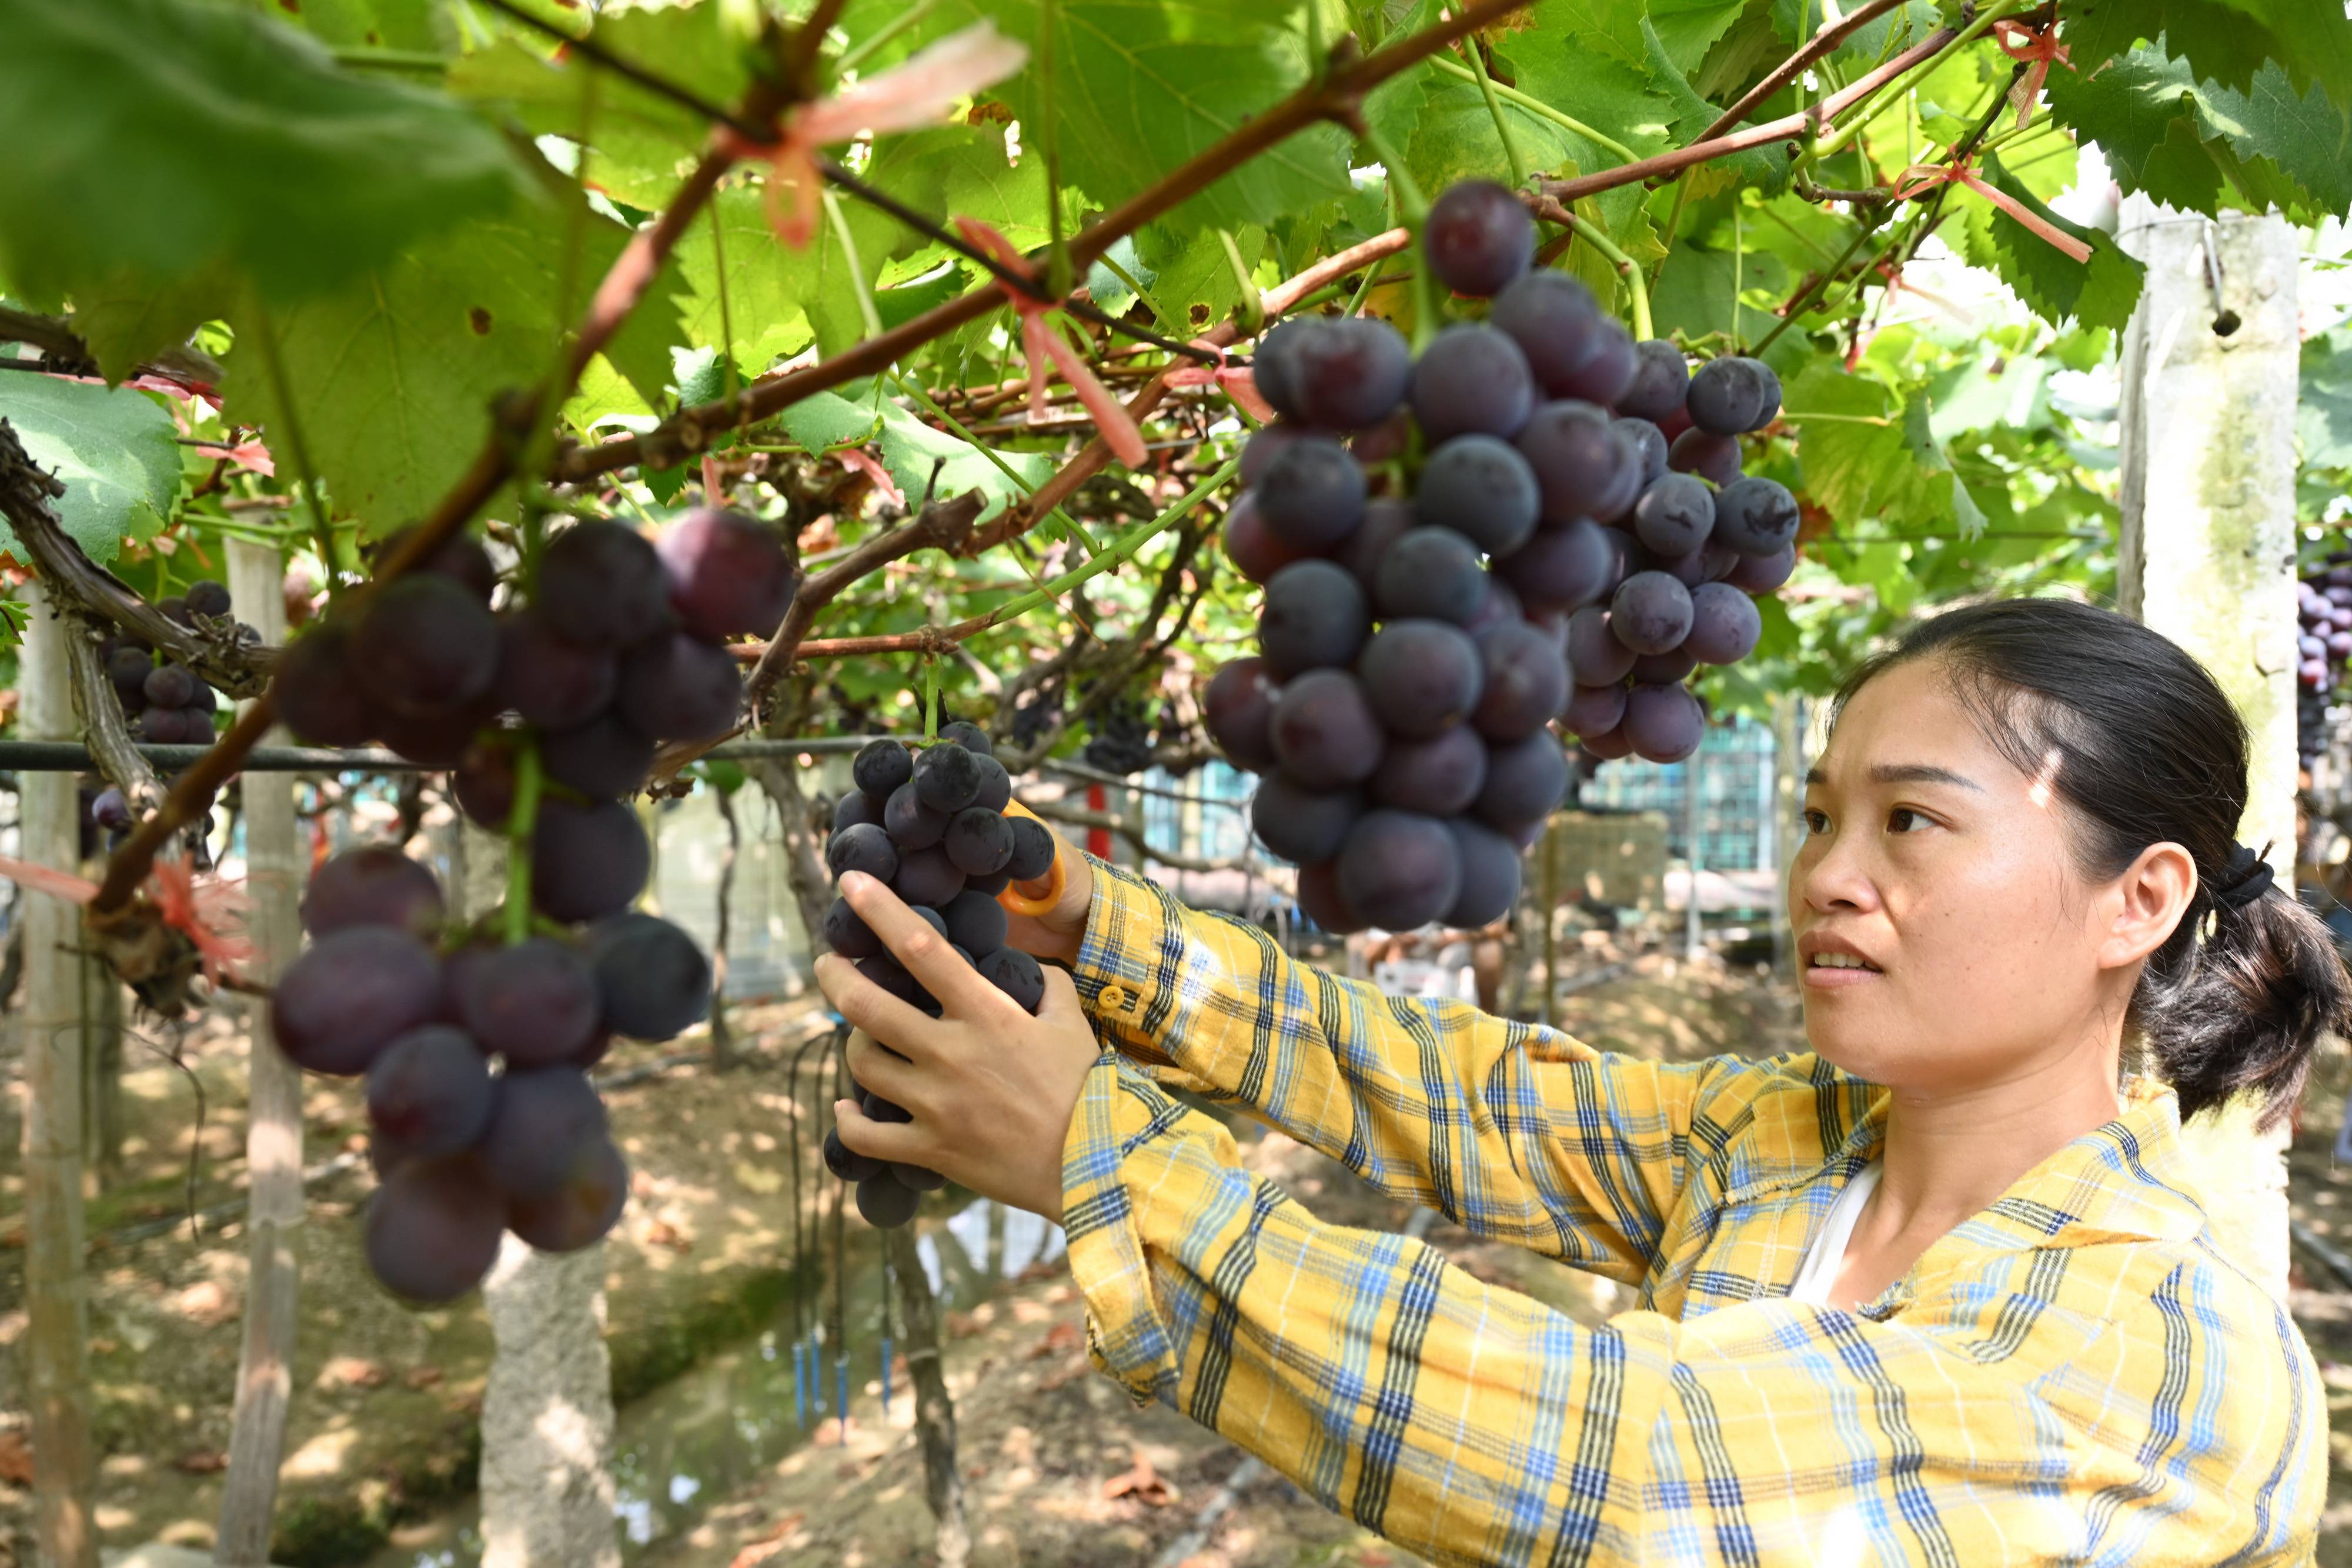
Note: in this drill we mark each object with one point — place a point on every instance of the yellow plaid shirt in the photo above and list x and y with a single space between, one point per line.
2078 1375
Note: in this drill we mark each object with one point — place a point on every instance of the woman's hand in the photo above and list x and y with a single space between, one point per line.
1056 933
991 1089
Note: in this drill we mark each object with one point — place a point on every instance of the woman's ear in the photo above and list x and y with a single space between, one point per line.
2148 903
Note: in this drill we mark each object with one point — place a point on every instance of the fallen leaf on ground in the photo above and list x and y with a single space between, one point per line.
1142 1482
767 1542
422 1376
1059 1338
662 1233
206 1303
960 1324
353 1372
15 1458
201 1462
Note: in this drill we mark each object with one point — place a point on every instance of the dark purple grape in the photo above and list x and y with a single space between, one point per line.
946 777
881 766
1265 445
197 724
891 976
1311 497
1256 553
551 683
1324 734
128 668
1661 378
201 699
1314 617
603 586
583 1209
1564 567
425 646
1398 870
1756 517
861 846
857 806
886 1203
1490 875
1664 669
1651 613
729 575
1674 515
1724 624
1478 237
653 980
1730 396
1502 608
1034 849
1525 681
1479 486
680 688
169 685
978 841
1714 458
603 759
439 739
1595 656
207 597
975 921
1472 380
1608 746
1016 974
971 737
175 607
1301 824
349 994
163 727
1422 676
484 783
1556 323
461 557
433 1228
882 1110
545 1120
1525 780
1239 710
1605 374
1386 519
846 933
374 884
587 860
995 785
1433 574
534 1002
430 1090
1718 561
1581 464
927 876
319 691
1440 775
1337 374
112 812
1386 442
1649 442
1664 724
1594 710
1321 901
847 1163
911 824
1763 573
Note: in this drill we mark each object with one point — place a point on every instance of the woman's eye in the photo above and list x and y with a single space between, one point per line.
1817 821
1904 819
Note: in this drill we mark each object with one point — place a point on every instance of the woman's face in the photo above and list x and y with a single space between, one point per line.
1946 940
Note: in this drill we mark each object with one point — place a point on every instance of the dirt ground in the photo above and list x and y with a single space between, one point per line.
1061 1470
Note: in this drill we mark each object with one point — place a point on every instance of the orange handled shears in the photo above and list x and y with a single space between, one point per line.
1056 877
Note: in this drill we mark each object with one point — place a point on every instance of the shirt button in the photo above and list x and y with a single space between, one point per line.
1113 998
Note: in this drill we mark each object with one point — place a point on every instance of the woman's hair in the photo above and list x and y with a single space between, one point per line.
2148 751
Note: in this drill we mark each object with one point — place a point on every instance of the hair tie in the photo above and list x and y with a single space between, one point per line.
2245 879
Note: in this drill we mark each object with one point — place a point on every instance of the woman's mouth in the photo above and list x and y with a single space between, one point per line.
1837 970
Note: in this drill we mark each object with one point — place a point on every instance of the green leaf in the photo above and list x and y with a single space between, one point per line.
1693 296
1865 455
2323 415
2223 41
164 141
114 448
910 448
1691 114
2180 140
826 420
1686 29
359 24
2054 285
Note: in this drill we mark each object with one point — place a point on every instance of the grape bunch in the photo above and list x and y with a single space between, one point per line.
621 645
475 1054
2324 645
932 825
1444 540
1121 741
163 702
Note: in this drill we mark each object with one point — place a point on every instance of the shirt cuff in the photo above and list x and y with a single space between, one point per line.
1126 952
1122 1116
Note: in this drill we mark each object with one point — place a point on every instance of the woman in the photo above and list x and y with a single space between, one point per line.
1936 1292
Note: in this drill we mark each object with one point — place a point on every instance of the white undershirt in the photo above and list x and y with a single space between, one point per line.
1819 1271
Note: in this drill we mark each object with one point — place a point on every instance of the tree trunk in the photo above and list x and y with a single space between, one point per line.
804 845
56 1289
934 1410
102 1048
274 866
2208 559
722 1040
547 1409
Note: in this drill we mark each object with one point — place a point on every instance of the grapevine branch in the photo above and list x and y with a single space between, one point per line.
104 732
1820 45
64 352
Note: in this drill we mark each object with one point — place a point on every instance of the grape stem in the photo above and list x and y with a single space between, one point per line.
1413 207
1880 98
1636 287
523 823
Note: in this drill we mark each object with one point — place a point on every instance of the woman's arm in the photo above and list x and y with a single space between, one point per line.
1511 1130
1472 1425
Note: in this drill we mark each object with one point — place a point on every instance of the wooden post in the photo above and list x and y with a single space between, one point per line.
1694 823
2208 559
274 867
934 1409
57 1290
722 1038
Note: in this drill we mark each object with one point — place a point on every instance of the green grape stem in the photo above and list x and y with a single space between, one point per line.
522 823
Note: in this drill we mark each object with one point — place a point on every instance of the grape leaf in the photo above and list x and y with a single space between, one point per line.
1863 455
114 448
359 24
1686 29
2324 414
1757 167
2056 288
826 420
1693 294
392 376
2223 41
166 142
2179 139
910 448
